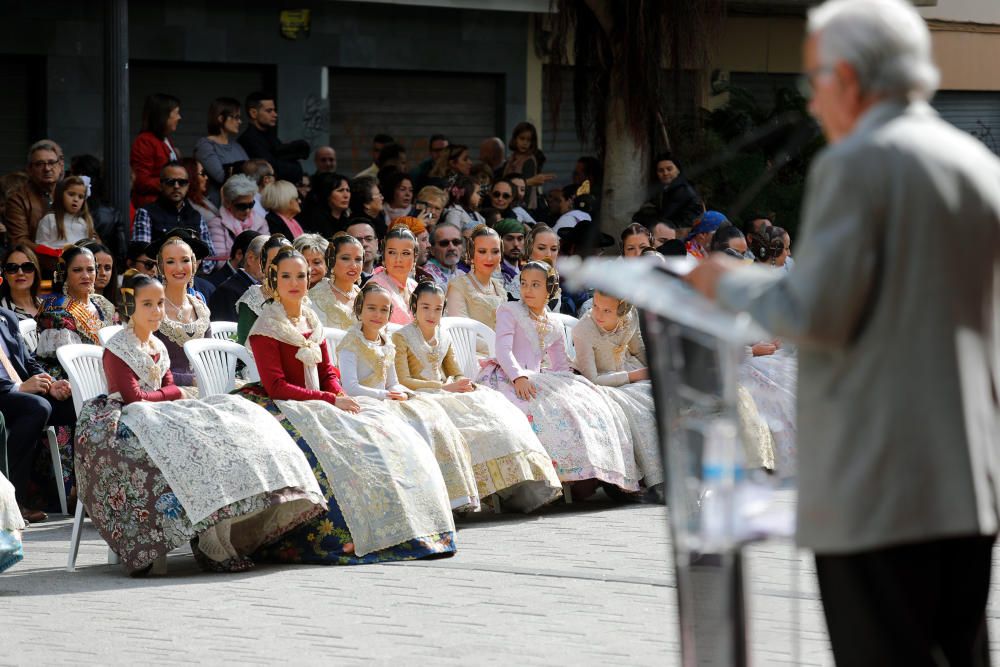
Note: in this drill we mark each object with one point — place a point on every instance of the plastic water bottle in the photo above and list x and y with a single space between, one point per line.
721 469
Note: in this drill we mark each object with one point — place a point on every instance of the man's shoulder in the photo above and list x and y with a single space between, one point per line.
9 318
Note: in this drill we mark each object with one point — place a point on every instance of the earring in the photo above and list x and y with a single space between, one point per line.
65 288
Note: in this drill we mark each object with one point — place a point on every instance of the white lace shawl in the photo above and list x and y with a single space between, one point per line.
181 333
254 299
274 323
126 346
380 355
332 312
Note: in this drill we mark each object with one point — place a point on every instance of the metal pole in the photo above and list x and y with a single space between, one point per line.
116 107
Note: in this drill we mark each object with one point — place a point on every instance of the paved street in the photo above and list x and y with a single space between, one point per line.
587 584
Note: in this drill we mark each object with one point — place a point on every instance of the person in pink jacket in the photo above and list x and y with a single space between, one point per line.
236 215
586 434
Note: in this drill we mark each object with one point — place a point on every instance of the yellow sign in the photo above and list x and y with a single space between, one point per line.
294 23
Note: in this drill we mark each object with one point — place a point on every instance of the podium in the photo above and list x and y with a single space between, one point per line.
694 351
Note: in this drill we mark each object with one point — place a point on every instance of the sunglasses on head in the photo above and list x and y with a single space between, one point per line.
175 182
26 267
444 243
502 195
243 207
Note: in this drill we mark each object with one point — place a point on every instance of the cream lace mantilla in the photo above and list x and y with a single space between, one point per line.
379 355
430 357
332 310
254 299
617 340
180 333
274 323
126 346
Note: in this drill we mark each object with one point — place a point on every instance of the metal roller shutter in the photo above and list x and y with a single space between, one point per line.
560 144
409 106
977 113
195 85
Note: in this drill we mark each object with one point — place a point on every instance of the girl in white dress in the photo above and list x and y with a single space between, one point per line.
507 458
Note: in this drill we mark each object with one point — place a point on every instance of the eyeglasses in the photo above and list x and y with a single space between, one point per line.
243 207
807 81
202 174
27 267
150 264
175 182
502 195
46 164
444 243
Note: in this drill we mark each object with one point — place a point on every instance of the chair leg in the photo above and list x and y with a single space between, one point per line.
74 540
113 557
496 504
567 494
57 468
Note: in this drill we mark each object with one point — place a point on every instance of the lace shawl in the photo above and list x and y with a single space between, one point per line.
180 333
126 346
274 323
254 299
616 342
543 335
481 307
430 357
379 355
331 310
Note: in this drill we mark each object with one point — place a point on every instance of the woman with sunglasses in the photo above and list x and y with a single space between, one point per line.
19 289
237 214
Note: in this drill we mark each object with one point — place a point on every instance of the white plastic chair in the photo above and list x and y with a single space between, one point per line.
568 322
85 368
29 332
105 334
464 332
392 328
214 364
333 337
224 330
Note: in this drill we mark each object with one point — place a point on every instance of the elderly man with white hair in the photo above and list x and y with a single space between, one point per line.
894 303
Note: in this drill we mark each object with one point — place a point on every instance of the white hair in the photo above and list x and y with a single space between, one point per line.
886 42
238 185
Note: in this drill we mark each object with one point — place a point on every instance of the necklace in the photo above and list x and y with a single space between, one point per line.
179 310
543 327
347 295
478 285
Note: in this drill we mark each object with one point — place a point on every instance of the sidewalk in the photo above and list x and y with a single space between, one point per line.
587 584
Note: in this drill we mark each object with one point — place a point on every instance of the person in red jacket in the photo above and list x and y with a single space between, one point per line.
153 148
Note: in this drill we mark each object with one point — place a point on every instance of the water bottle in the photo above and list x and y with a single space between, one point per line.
721 469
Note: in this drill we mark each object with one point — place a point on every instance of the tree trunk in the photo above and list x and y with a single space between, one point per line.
626 166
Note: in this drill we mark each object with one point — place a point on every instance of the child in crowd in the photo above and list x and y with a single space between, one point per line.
526 159
507 457
610 353
367 359
581 428
70 219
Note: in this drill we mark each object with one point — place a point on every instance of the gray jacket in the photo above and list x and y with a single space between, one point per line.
894 304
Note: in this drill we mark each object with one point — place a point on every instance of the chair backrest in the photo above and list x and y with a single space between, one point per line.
333 338
568 322
84 364
464 333
29 332
392 328
222 330
214 364
105 334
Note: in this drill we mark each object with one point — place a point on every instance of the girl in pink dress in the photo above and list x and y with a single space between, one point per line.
584 432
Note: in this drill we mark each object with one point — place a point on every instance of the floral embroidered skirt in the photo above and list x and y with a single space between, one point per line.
585 432
138 514
636 401
327 539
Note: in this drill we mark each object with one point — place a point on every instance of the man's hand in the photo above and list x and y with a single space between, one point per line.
36 384
705 277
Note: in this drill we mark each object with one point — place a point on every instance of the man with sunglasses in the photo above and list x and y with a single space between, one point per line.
172 209
33 201
140 261
446 250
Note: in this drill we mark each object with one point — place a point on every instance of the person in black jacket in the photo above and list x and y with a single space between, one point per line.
109 223
677 200
30 400
222 303
260 140
326 209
